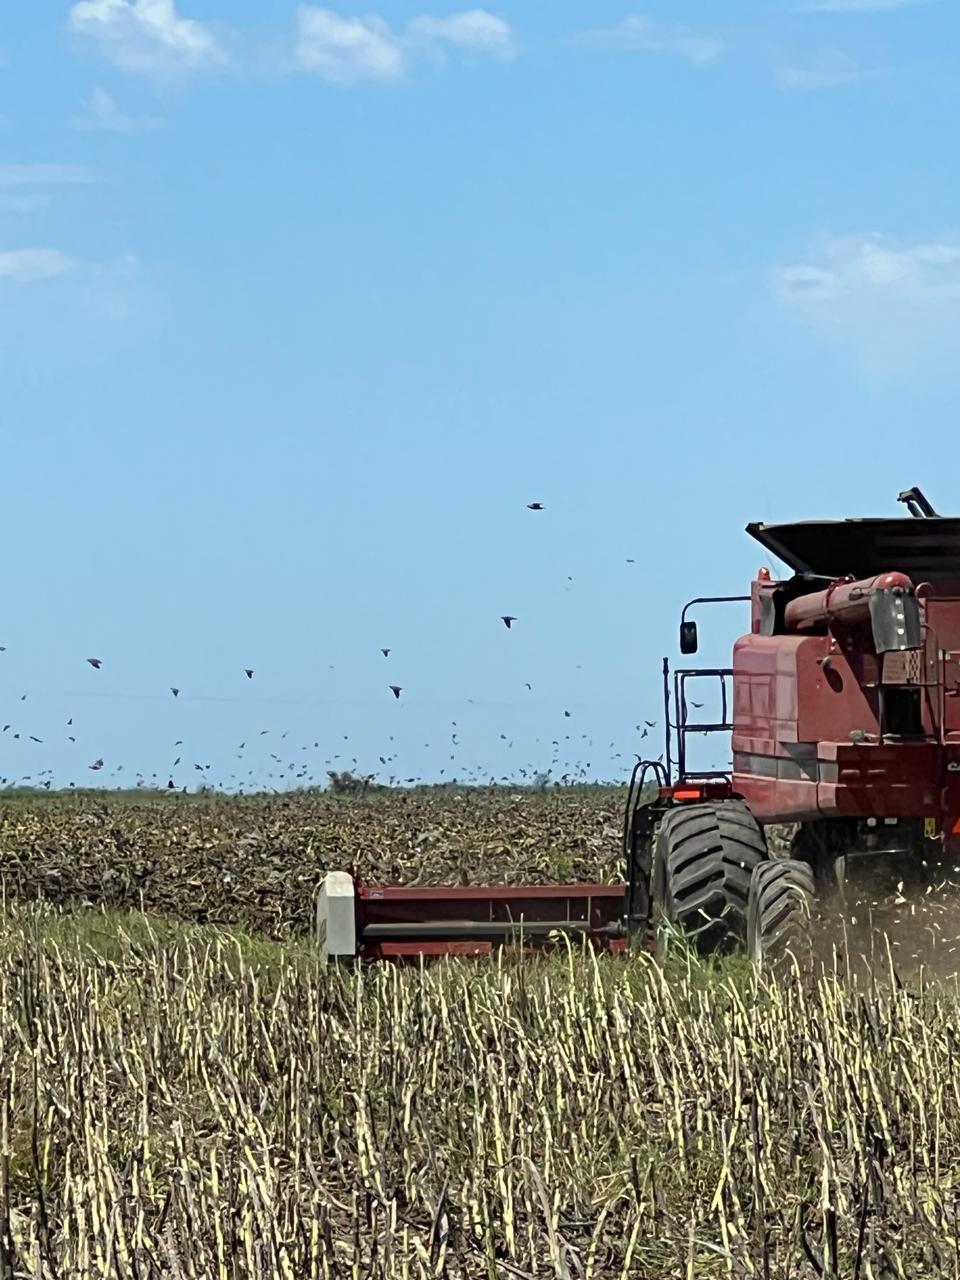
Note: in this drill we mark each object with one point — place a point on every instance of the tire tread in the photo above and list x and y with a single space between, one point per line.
708 853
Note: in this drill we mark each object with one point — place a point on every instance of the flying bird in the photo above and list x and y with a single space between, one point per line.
33 739
508 620
385 652
534 506
248 672
175 692
97 764
96 663
396 690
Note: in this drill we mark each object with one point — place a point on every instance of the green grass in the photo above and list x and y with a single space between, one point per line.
118 935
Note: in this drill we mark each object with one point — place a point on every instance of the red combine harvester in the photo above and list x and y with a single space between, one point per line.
843 703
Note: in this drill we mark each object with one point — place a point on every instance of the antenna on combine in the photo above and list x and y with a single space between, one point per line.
916 503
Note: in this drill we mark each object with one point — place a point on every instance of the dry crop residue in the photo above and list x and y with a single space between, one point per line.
258 860
184 1104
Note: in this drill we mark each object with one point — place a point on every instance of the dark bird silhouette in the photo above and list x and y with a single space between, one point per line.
171 785
530 687
385 652
534 506
70 721
508 620
175 692
248 672
97 764
96 663
33 739
651 724
567 714
698 705
396 690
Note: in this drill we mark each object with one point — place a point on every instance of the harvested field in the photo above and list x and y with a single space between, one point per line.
179 1101
188 1098
256 860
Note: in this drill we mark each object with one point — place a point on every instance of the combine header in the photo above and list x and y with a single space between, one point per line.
843 710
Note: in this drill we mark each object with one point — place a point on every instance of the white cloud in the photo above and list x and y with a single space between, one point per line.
643 34
829 69
874 269
102 113
24 266
858 6
147 36
474 29
45 175
347 49
25 188
344 50
890 306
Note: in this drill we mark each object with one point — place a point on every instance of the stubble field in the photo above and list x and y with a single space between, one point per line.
182 1096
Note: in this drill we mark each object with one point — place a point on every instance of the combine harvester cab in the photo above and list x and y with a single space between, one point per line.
842 707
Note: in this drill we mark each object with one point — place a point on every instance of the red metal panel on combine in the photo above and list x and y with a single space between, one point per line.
942 617
807 718
791 696
940 605
880 780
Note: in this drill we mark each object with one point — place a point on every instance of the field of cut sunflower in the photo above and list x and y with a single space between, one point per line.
187 1101
257 860
183 1095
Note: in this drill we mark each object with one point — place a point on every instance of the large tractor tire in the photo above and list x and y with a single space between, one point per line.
780 912
704 857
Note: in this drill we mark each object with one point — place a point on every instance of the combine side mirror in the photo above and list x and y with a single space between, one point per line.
689 642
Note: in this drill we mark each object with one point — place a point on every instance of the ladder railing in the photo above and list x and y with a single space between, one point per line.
683 725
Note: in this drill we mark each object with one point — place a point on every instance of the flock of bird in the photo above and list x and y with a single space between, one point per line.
302 772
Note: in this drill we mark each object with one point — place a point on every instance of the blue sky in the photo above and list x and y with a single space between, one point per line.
299 307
